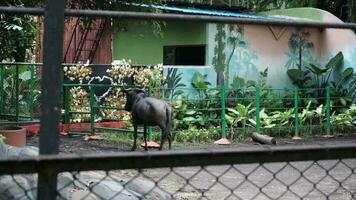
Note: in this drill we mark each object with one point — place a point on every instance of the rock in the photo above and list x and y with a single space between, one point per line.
65 184
147 189
3 150
139 188
27 151
16 187
112 190
7 151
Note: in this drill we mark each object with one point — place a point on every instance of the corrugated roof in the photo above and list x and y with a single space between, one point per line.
203 11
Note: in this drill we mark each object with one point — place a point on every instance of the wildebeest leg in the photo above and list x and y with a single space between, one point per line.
163 137
145 136
135 137
169 137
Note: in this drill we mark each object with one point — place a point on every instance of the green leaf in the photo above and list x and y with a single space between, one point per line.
200 85
190 112
250 83
336 61
188 119
317 70
296 74
343 101
25 76
233 111
253 122
347 73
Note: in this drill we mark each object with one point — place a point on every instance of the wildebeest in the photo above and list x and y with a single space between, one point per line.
149 111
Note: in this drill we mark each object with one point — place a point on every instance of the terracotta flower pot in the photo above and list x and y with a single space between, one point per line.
15 135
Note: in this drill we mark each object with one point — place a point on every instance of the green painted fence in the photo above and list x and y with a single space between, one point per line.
235 112
19 93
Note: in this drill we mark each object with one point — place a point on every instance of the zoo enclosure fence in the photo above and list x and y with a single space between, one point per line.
299 172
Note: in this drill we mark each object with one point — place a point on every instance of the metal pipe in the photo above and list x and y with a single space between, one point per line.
160 159
182 17
258 101
328 125
296 112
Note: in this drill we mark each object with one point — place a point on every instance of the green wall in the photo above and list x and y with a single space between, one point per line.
140 45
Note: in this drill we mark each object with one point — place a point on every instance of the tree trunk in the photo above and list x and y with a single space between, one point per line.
220 80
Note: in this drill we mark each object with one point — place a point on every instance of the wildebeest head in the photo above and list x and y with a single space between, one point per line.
131 97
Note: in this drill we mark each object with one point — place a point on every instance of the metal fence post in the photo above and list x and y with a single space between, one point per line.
51 93
1 89
32 90
296 117
66 104
223 140
258 100
91 108
328 110
17 85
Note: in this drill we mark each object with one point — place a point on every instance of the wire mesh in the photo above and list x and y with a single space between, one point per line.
323 179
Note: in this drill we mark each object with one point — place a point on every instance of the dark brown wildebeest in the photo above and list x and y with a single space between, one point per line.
149 111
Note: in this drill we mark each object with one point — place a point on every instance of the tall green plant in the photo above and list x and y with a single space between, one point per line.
173 81
316 78
200 83
9 91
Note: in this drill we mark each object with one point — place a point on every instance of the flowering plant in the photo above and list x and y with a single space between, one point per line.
79 102
120 70
79 72
150 76
116 99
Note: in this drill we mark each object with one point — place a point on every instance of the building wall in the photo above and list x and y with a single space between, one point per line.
103 54
257 47
138 42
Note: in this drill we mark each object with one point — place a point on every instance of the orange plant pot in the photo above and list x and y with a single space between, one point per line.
15 135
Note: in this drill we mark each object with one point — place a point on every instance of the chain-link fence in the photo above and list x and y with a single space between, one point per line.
305 172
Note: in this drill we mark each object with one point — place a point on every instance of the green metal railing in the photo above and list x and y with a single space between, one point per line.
208 108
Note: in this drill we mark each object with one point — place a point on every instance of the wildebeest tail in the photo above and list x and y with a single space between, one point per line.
169 119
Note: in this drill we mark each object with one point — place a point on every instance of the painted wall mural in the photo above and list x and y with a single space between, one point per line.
300 53
243 57
245 51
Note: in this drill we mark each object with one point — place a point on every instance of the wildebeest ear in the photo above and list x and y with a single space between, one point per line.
139 91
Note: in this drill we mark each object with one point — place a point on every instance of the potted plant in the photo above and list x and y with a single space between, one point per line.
13 135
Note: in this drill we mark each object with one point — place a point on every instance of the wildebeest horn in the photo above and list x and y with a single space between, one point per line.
126 90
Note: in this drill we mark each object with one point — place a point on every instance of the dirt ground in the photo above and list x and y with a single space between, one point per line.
79 145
